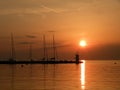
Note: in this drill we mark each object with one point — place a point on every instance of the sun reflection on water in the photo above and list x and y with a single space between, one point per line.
82 75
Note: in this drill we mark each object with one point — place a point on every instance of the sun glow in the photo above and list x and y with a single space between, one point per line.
82 43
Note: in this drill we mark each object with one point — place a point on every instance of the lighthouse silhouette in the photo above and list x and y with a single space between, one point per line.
77 58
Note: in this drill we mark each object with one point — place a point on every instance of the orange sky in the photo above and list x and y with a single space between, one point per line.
96 21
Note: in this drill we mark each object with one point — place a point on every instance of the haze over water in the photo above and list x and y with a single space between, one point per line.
89 75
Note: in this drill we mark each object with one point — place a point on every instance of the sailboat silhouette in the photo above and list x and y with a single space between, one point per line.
12 59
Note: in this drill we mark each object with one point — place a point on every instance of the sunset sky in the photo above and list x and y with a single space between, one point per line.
96 21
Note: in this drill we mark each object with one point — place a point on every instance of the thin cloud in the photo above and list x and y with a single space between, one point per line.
24 43
65 45
30 36
51 9
9 37
26 11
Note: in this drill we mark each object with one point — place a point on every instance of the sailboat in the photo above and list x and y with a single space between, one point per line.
54 58
12 59
45 58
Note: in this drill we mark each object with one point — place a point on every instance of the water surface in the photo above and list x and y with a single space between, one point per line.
90 75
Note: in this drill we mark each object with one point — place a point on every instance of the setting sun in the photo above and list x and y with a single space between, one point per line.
82 43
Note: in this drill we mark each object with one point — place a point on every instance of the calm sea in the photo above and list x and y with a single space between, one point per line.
90 75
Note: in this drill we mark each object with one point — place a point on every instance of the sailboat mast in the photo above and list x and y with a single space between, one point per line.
44 47
12 48
54 48
30 51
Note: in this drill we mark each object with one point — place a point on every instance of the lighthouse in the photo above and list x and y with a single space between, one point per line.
77 58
